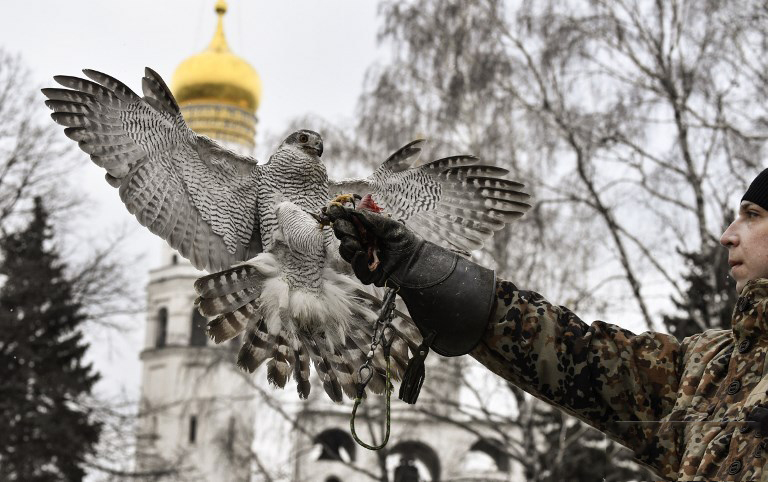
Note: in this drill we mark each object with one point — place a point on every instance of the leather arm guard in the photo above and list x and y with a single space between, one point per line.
448 297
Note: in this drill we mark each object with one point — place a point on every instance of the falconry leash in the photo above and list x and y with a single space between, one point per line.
382 335
413 378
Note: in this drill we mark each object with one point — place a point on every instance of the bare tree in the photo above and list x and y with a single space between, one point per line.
651 102
631 114
32 155
36 162
633 123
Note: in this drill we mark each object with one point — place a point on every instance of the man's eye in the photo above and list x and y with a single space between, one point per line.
753 214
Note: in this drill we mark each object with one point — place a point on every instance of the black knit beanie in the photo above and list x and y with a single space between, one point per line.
758 190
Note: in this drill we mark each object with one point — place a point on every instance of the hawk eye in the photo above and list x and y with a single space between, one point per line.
303 138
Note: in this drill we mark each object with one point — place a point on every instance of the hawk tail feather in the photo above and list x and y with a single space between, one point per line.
290 329
257 347
278 368
301 372
227 303
233 279
324 369
229 325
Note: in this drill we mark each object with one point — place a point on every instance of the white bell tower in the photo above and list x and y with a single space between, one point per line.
196 413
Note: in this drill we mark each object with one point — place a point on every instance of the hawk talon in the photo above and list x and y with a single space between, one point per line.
322 218
373 258
343 199
340 200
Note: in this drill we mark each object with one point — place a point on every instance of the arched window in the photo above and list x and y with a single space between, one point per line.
153 433
192 429
336 444
161 332
413 460
487 455
197 336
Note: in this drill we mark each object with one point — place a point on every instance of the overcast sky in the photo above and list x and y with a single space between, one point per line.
311 56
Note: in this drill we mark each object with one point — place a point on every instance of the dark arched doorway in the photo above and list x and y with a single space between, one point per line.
412 454
336 444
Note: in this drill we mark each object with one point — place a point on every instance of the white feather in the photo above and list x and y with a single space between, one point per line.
333 310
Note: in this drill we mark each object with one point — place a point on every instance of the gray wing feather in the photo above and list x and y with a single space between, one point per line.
454 202
198 196
399 161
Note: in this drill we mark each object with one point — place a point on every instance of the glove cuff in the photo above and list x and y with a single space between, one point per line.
448 295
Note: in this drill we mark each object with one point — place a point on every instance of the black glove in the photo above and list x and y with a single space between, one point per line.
361 231
449 297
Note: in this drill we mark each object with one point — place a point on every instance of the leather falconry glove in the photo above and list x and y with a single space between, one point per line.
449 297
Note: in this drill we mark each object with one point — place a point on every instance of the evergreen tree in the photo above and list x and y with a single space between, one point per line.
45 431
575 452
710 296
560 447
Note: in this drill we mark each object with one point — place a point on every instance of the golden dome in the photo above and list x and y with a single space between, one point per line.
216 74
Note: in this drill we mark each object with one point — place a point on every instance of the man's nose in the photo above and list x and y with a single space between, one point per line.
729 237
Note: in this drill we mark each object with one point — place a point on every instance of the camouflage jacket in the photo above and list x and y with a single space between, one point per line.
680 406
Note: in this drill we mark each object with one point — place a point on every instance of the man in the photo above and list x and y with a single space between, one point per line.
691 410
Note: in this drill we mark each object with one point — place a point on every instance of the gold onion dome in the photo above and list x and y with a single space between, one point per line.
218 92
216 74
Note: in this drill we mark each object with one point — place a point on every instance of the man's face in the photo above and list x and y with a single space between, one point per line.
747 242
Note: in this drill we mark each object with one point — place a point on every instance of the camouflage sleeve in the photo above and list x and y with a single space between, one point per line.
601 373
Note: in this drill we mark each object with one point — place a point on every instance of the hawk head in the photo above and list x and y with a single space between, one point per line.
306 140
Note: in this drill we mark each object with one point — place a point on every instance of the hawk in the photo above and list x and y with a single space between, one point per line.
277 275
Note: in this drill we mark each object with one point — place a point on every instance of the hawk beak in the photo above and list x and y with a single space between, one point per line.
316 148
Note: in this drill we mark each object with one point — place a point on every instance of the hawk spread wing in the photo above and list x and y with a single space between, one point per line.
212 205
196 195
454 202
